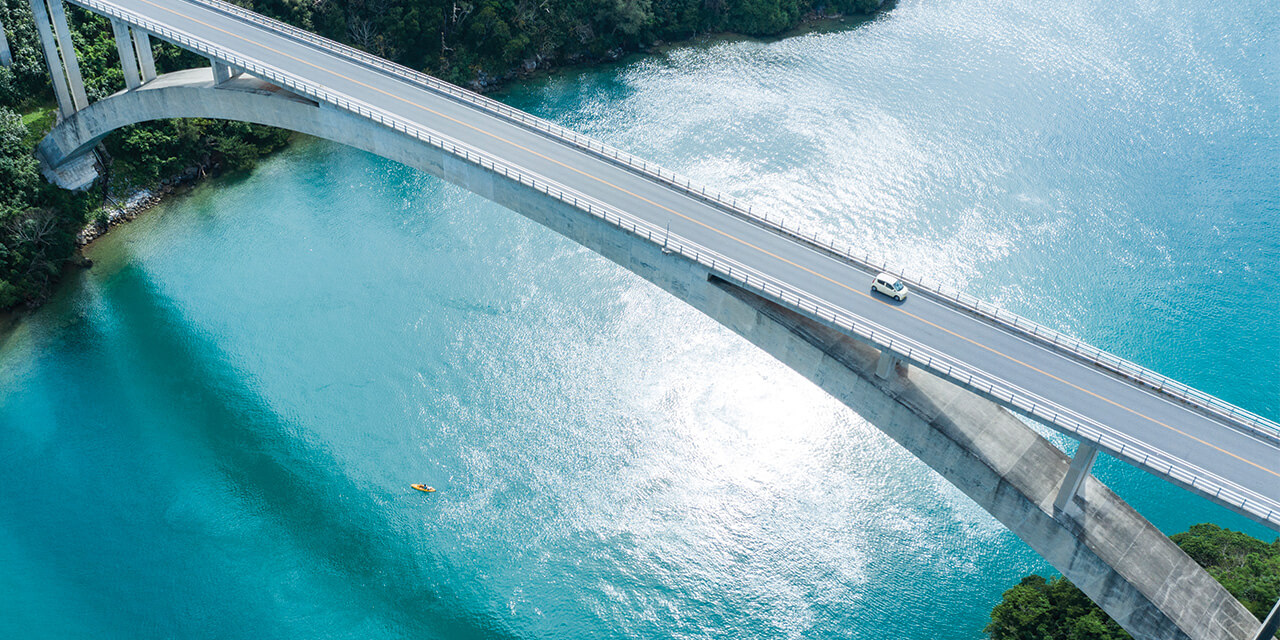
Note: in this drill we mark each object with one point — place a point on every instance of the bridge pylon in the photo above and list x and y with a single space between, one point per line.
6 56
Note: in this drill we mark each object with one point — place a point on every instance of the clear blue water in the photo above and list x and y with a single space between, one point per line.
211 433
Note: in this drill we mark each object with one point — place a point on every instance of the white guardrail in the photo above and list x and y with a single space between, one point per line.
1116 443
1234 415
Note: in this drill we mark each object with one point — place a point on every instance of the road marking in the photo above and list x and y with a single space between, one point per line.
715 230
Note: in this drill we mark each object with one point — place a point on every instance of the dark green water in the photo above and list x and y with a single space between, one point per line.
211 433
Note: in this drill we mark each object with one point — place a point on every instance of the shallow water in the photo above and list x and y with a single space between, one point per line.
211 433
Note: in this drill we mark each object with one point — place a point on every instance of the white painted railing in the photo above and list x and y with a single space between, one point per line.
999 390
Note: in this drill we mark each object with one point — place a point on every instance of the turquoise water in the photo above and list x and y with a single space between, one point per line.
211 433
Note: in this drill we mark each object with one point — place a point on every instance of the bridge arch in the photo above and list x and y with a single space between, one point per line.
1118 558
192 93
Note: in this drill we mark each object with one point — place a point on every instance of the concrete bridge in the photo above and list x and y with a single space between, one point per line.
942 373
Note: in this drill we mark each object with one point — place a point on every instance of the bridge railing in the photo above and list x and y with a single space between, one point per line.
999 390
1226 411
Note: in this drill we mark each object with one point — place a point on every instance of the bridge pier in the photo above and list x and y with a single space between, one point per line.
128 62
146 59
136 59
1081 466
69 60
886 364
6 56
60 56
222 72
1271 625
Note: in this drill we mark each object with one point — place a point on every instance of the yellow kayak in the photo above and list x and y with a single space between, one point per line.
423 487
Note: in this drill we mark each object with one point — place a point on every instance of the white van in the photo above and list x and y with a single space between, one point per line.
890 286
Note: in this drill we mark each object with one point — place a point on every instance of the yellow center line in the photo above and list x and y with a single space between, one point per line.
713 229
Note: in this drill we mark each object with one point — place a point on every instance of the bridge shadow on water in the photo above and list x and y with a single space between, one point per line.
291 480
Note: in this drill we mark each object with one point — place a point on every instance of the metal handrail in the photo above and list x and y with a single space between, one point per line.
984 384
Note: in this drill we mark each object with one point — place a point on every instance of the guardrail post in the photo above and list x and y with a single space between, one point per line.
6 56
124 46
887 363
1081 465
142 42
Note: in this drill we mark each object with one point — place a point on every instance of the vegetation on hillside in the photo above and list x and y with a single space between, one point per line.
1054 609
463 40
39 222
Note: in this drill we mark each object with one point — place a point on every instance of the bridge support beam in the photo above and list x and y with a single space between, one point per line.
1271 625
221 72
886 364
1081 466
124 46
147 60
57 73
6 56
68 49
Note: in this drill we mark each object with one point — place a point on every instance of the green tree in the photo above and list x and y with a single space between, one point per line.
1057 610
1024 613
19 171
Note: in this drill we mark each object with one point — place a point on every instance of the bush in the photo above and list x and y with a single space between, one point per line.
19 171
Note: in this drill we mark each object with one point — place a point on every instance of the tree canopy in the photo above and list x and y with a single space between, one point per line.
1055 609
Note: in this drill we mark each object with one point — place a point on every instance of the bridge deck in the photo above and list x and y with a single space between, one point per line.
1240 461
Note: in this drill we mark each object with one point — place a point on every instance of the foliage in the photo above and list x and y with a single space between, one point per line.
1248 567
462 39
1039 609
19 172
38 222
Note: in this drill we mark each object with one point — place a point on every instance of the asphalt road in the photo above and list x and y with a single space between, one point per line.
1241 461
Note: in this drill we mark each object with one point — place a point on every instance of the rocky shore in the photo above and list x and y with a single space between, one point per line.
119 210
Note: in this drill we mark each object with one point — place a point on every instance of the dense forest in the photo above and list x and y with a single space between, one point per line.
1054 609
468 41
476 43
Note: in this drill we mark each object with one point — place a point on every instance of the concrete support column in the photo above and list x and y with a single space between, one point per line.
142 42
124 45
886 364
6 56
1271 625
69 60
1076 473
40 12
221 72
